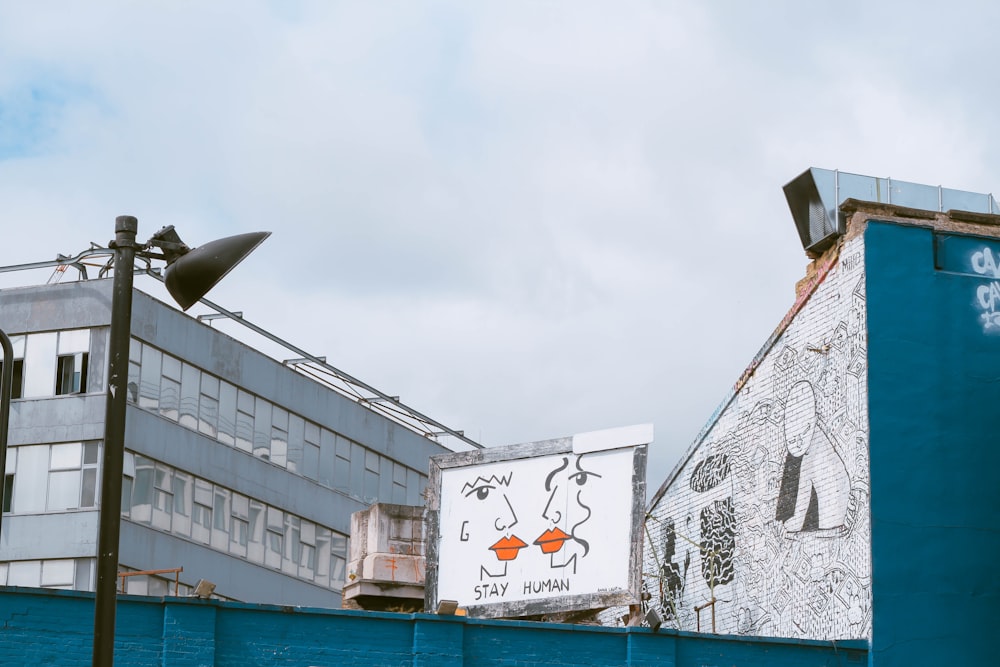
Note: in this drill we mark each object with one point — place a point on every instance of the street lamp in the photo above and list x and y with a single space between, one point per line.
190 274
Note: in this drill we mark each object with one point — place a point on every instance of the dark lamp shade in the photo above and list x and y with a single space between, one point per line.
193 274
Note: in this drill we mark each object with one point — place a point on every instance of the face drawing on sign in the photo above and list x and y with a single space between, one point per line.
569 487
490 496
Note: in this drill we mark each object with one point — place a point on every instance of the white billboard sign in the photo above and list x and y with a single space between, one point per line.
539 527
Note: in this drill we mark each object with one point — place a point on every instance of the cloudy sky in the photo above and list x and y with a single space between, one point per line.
527 219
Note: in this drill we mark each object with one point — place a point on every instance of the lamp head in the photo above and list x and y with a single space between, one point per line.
191 275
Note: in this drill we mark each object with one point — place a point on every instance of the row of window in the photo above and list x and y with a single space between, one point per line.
56 363
177 502
203 402
50 363
64 476
78 574
65 573
45 478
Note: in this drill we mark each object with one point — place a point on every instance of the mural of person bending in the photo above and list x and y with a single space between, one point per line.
570 488
815 486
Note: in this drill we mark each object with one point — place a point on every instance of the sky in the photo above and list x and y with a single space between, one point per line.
526 219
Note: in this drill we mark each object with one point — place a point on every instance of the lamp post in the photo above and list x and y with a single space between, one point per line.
190 274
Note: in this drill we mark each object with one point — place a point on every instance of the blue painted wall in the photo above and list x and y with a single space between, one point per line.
43 627
934 406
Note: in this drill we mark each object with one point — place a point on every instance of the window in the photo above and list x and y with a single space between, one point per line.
190 390
208 409
239 526
342 465
414 487
307 550
17 388
274 537
64 476
8 491
40 364
338 560
170 388
220 519
182 503
310 451
296 436
128 483
17 381
24 573
88 490
255 548
262 429
293 546
371 474
244 421
201 512
142 491
8 480
279 436
398 484
134 369
322 573
71 372
58 573
163 497
227 413
84 574
149 378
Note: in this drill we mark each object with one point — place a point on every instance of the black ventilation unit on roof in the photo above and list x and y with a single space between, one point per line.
815 196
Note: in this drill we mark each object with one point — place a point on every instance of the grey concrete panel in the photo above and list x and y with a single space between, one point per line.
72 305
69 418
55 535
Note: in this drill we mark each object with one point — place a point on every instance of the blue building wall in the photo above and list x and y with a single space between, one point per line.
934 403
48 627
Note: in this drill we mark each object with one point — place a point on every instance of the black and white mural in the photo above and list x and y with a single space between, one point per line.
767 520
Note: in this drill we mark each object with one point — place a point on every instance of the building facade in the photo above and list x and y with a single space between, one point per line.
238 469
848 487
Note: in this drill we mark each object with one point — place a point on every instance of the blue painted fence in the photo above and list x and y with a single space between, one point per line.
45 627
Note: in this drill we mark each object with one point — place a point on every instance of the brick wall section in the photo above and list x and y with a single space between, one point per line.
769 512
55 628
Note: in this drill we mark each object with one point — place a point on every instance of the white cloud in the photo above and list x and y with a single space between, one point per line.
529 219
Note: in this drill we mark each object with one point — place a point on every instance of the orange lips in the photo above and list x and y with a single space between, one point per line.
551 540
506 548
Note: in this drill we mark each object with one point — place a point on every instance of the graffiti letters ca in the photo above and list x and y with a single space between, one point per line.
985 263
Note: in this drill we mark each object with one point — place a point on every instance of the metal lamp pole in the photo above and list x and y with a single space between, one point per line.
109 527
190 274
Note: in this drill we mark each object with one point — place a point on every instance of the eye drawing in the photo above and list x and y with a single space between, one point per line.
581 477
482 492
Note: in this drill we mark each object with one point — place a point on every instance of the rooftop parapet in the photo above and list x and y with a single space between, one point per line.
815 197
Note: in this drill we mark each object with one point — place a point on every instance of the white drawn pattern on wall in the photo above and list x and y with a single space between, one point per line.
769 516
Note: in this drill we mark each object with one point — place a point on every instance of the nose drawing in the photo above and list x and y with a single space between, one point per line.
507 518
